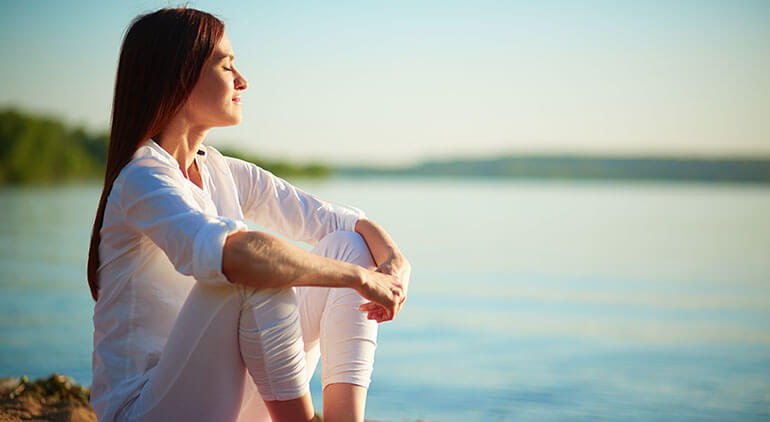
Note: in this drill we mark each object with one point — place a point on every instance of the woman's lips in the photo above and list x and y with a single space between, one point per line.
237 100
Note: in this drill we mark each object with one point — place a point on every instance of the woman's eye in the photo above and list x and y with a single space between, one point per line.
229 69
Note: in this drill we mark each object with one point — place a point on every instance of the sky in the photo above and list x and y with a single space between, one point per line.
398 82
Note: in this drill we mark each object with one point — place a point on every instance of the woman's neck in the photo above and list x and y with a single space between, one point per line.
182 141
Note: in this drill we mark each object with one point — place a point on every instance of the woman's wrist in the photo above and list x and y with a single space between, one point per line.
357 278
397 258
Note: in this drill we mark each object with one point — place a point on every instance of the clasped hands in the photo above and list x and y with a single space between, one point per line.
386 288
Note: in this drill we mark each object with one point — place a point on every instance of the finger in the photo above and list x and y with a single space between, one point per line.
367 307
377 315
384 317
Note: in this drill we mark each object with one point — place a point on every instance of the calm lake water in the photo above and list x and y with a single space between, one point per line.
530 301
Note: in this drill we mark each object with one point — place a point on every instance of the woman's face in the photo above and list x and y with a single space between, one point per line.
216 98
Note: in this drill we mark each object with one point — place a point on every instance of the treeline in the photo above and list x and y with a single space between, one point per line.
41 149
38 149
282 168
586 167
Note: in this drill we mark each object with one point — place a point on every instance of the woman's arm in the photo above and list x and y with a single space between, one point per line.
389 260
263 261
278 206
273 203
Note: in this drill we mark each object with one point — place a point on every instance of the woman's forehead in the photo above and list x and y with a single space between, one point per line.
224 49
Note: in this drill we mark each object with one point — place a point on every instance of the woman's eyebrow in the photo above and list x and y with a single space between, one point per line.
225 56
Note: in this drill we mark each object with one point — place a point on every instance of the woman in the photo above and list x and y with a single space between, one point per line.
193 311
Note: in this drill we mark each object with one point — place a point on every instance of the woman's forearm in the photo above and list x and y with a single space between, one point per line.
263 261
382 247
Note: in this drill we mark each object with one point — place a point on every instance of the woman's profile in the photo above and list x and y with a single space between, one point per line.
196 317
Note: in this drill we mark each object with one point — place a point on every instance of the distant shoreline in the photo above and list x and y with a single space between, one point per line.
586 168
42 150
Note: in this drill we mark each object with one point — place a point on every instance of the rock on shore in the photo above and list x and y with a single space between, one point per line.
56 398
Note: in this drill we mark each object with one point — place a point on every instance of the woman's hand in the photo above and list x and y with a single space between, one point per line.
398 271
390 262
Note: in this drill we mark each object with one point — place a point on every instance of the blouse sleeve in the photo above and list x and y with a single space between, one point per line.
154 204
277 205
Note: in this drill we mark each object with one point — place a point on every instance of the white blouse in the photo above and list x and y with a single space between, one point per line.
161 233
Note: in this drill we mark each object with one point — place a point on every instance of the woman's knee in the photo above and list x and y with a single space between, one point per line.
271 343
345 246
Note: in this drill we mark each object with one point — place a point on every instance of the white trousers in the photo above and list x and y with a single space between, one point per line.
233 346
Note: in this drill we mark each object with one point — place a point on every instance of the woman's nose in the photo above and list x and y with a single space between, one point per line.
240 82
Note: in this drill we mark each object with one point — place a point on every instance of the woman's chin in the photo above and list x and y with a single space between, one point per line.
231 120
237 115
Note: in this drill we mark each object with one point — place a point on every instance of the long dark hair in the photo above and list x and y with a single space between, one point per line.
161 60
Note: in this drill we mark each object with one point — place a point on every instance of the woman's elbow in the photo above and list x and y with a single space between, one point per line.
246 259
235 256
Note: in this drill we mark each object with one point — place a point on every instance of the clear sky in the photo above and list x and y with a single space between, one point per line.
395 82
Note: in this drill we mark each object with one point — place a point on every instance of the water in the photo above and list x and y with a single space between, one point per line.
530 301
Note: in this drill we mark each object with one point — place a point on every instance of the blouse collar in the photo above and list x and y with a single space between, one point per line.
163 154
